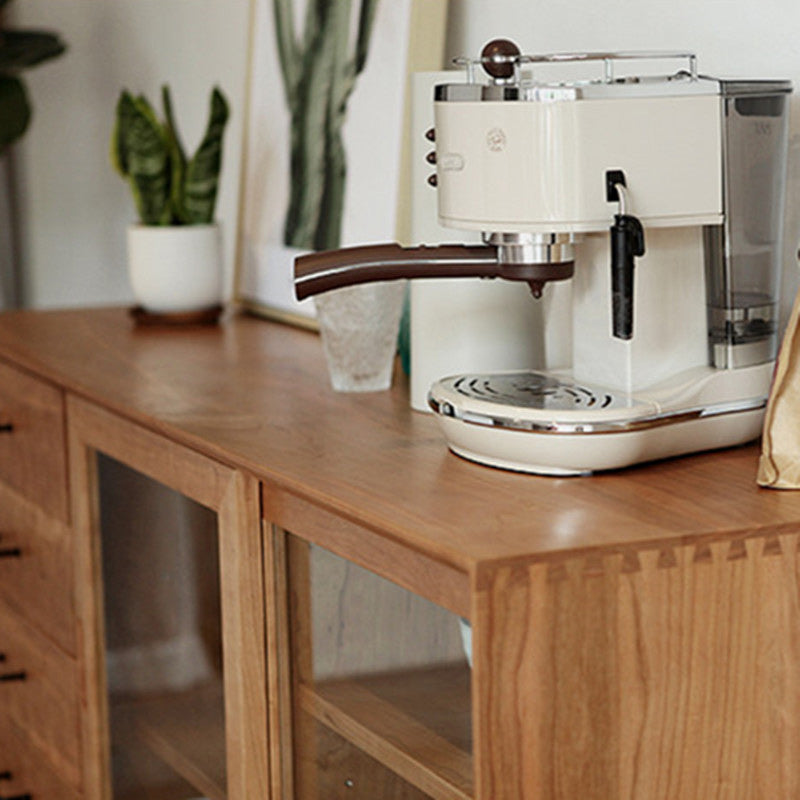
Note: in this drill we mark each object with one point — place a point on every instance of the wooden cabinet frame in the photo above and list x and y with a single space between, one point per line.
647 672
234 496
634 635
664 672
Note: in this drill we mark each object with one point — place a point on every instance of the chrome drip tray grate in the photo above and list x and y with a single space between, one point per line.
536 401
535 390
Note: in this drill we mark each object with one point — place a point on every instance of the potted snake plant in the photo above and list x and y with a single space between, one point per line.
175 249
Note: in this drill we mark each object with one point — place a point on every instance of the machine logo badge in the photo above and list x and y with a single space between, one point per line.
496 139
452 162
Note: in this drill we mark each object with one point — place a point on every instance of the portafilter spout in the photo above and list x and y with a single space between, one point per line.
333 269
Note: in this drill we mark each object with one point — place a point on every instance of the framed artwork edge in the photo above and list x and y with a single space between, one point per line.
426 44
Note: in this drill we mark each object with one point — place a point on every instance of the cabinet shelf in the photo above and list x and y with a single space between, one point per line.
415 722
186 730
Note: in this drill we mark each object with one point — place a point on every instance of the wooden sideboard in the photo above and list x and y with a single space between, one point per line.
634 634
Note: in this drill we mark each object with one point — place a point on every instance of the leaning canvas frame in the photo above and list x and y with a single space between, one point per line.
405 36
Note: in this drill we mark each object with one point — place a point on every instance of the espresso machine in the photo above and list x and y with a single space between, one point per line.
653 204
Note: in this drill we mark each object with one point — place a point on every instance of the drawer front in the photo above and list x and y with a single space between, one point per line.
39 693
36 568
23 771
32 441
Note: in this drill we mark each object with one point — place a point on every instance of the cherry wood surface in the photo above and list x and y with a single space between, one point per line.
635 634
255 395
32 442
416 722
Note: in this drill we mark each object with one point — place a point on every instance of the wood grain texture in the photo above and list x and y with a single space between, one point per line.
636 634
95 740
235 497
45 704
29 773
676 676
279 661
244 645
256 394
435 580
347 772
415 722
33 453
39 583
187 731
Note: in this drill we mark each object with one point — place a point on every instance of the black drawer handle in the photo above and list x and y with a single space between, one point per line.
10 677
6 427
10 552
18 797
6 776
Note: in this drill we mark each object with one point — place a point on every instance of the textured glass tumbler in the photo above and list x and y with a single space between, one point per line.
359 326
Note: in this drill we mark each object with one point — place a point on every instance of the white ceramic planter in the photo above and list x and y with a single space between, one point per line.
175 269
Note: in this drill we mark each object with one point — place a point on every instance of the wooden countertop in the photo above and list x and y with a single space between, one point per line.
255 395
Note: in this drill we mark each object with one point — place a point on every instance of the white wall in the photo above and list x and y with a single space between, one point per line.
75 208
733 38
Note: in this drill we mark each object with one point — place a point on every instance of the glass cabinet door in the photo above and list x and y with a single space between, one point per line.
170 605
380 686
161 600
163 639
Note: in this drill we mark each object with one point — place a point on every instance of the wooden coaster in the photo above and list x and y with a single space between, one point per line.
206 316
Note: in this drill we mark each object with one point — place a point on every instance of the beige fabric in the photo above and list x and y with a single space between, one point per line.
779 465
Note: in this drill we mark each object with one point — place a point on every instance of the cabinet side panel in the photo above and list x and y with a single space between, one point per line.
663 673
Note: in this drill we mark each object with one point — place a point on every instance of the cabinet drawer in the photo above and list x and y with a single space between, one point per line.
32 440
23 770
39 693
36 568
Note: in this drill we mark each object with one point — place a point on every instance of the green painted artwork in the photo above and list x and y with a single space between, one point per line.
319 70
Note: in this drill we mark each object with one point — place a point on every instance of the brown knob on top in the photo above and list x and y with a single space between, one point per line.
494 55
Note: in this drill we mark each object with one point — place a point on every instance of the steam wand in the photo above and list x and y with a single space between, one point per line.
627 242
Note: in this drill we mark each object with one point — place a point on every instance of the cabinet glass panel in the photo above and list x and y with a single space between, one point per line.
163 639
380 686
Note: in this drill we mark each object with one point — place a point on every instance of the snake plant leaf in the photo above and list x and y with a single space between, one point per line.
15 111
177 158
21 49
122 118
140 152
201 181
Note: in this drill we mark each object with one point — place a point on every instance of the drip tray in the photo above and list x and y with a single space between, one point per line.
534 400
547 424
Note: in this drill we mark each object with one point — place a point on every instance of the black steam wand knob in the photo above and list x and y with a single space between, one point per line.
627 243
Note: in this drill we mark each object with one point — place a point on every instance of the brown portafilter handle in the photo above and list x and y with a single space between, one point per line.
316 273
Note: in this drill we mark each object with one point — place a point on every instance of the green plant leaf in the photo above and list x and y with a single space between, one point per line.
140 153
201 182
15 111
122 119
177 158
22 49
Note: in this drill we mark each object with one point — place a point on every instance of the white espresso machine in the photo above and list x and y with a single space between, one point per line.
653 203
